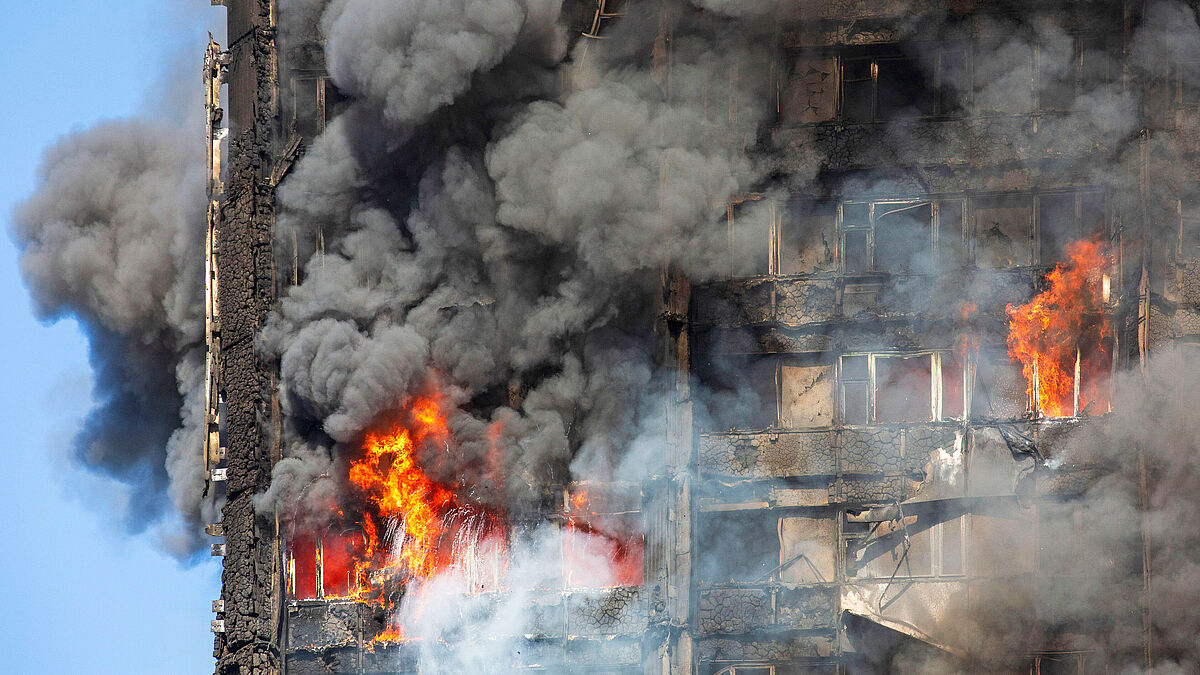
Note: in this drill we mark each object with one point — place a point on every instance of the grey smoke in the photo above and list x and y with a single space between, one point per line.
523 264
112 238
419 55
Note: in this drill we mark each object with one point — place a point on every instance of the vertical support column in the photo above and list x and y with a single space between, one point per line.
253 641
680 472
214 72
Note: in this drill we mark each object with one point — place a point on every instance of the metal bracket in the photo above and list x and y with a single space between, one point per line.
218 549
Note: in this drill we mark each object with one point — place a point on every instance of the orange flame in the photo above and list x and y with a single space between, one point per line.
388 475
1062 329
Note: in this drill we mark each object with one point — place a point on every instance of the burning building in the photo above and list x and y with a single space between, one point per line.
710 336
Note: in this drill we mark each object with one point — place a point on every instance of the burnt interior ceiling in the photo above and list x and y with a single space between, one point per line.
866 387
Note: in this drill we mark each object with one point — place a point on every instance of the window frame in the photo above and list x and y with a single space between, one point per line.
943 107
893 205
936 394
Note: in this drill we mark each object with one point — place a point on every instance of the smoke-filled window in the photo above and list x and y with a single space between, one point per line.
759 391
898 388
856 237
808 238
1004 231
738 391
744 546
903 386
881 83
1185 80
1065 218
999 387
750 223
950 246
1004 76
1019 75
1058 65
902 236
1058 527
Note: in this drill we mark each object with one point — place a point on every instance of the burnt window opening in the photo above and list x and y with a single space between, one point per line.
855 381
758 391
902 236
929 544
1185 83
999 389
333 101
750 223
1003 81
322 564
892 388
811 91
745 546
1003 231
807 238
882 83
1064 218
738 391
603 521
308 103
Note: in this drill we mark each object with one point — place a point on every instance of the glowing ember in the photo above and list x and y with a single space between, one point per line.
1062 332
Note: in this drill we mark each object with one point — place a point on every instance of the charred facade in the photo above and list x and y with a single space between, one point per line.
854 470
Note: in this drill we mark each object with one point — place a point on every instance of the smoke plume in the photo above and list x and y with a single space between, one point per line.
111 239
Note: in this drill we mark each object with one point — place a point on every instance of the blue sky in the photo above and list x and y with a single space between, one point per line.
81 596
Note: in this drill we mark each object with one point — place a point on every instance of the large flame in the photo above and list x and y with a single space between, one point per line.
407 527
389 478
1062 332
